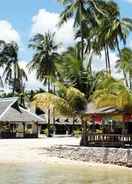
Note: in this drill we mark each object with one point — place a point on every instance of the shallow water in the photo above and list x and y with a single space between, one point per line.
39 173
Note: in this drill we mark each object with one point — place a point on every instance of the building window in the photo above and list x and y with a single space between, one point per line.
29 126
16 125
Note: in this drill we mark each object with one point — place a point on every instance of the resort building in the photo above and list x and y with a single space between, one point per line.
16 121
108 126
60 124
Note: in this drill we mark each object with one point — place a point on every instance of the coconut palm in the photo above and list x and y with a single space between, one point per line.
118 30
81 11
45 57
20 77
110 31
77 9
112 92
13 74
75 73
125 64
9 54
44 60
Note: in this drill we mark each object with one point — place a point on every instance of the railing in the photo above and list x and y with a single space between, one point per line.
110 140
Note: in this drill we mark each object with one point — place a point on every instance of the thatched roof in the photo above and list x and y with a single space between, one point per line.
5 103
10 111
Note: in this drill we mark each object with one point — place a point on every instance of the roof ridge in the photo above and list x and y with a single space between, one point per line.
9 99
32 113
1 115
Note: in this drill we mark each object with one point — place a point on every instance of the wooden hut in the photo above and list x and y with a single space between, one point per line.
111 137
16 121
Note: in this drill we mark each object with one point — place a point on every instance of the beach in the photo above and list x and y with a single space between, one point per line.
46 150
30 150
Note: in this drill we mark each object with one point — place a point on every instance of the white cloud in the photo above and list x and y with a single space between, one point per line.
130 44
45 21
99 64
129 1
7 32
32 82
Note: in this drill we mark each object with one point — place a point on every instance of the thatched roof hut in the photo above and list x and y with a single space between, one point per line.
11 111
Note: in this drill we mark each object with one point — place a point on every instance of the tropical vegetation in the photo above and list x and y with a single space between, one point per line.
14 75
71 81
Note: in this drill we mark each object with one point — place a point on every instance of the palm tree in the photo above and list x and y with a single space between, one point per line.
81 11
20 77
75 73
45 57
13 74
44 60
104 31
70 103
77 9
125 64
111 29
112 93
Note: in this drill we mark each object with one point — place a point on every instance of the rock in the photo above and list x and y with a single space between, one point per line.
117 156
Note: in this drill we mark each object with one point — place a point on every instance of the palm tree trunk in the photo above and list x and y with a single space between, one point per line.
118 47
108 57
84 138
130 81
82 39
124 73
14 82
49 113
125 78
106 62
48 85
54 116
73 125
82 46
82 54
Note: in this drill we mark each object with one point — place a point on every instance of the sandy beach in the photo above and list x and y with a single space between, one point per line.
30 150
34 150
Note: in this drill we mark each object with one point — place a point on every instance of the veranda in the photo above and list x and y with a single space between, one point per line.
108 127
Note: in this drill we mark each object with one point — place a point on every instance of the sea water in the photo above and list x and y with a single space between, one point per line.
43 173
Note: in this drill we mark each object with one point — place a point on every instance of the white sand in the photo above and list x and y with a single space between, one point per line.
32 150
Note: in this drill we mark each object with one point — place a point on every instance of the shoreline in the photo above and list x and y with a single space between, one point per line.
92 155
63 161
60 151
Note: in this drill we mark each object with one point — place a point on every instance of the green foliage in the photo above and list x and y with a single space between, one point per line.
76 99
77 132
45 56
45 131
14 75
73 102
125 64
51 101
76 73
113 93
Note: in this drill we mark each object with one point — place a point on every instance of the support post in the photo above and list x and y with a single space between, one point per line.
24 129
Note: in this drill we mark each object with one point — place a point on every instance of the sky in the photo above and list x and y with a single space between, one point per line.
21 19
